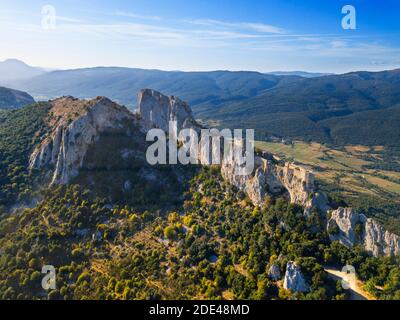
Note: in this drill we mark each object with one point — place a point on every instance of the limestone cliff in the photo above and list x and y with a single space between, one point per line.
294 279
352 228
75 125
157 110
270 177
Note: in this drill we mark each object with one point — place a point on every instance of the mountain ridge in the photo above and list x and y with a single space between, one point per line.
123 84
10 98
322 109
311 109
186 231
77 127
14 69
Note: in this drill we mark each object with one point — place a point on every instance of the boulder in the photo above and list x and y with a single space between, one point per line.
274 273
294 279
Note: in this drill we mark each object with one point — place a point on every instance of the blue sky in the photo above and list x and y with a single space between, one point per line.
203 34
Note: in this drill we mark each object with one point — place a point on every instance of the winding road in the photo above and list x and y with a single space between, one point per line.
356 289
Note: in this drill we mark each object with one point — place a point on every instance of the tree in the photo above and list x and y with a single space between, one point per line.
170 233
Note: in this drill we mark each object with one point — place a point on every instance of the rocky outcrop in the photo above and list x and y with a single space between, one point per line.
157 110
318 200
345 226
270 177
352 228
274 273
298 181
379 241
75 124
253 185
294 279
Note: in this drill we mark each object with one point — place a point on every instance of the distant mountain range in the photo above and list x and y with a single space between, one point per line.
358 107
13 69
123 84
300 74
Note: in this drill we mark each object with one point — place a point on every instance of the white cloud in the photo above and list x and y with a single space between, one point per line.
239 44
135 15
68 19
252 26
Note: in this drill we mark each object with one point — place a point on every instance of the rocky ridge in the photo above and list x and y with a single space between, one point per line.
75 125
269 177
352 228
157 110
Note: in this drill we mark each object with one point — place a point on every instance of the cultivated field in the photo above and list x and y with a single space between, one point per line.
353 172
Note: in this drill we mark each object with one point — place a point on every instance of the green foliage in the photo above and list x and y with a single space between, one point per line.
221 246
355 108
69 230
20 130
10 98
170 233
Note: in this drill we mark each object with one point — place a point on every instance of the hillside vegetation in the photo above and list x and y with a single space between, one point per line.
215 246
366 178
20 131
123 84
354 108
10 98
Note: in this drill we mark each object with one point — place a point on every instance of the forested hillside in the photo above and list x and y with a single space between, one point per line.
10 98
20 130
216 245
122 229
354 108
123 84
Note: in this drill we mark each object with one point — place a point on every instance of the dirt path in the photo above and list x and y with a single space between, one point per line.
356 289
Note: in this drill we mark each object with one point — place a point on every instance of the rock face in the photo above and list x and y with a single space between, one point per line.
157 110
378 241
318 200
75 126
269 177
294 279
352 228
274 273
298 181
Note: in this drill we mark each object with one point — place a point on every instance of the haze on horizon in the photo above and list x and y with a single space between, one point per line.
202 36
